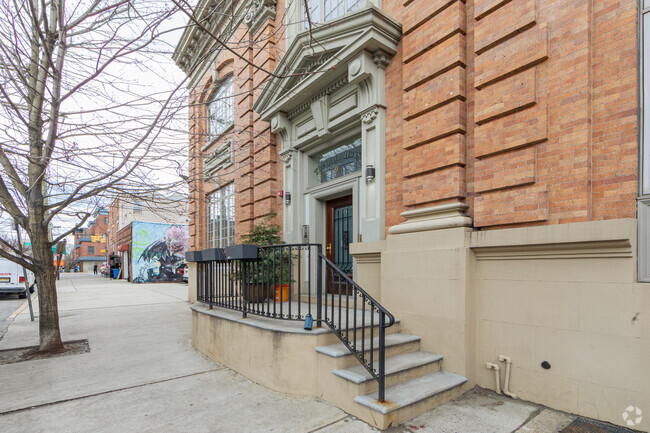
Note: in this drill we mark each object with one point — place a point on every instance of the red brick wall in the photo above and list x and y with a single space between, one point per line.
256 171
113 216
524 109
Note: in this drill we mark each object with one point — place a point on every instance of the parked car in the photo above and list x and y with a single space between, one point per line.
12 279
181 272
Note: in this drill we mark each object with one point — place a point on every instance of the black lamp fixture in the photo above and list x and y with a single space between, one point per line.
287 197
370 172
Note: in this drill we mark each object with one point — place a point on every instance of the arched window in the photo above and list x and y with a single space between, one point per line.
220 109
322 11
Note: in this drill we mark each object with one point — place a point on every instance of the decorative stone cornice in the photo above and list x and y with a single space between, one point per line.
340 42
260 11
326 91
191 53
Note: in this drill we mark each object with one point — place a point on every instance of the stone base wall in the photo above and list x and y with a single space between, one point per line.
565 294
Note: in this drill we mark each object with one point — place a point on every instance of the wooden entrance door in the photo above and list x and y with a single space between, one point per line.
339 234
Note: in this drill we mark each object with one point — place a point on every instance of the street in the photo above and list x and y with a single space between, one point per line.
8 304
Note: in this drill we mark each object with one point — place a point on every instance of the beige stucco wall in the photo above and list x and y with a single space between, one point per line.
424 284
279 357
565 294
572 302
191 282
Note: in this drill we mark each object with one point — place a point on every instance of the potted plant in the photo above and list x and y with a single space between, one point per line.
273 269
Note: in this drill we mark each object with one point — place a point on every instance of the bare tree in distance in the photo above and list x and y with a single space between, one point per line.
87 116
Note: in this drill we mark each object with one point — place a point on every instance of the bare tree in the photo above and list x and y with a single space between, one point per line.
86 116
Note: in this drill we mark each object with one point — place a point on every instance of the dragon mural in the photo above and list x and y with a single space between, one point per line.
160 258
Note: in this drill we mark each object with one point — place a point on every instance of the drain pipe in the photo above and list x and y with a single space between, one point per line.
496 375
506 385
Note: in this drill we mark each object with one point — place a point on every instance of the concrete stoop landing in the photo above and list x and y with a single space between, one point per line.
284 357
415 381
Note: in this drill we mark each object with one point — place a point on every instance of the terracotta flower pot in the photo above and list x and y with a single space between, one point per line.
281 292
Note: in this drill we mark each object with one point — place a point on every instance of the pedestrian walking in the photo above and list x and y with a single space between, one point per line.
95 269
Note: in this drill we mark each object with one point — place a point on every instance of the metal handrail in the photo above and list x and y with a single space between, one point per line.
249 286
364 355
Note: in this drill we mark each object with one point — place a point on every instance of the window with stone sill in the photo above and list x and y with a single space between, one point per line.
221 217
221 109
322 11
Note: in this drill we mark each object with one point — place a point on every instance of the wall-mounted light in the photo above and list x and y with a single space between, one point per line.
287 198
370 172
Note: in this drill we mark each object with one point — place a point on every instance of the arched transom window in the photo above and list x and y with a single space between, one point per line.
220 109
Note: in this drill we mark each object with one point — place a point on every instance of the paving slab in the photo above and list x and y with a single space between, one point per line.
477 411
348 425
548 421
130 345
218 401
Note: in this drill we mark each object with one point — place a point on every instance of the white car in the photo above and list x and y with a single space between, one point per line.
12 278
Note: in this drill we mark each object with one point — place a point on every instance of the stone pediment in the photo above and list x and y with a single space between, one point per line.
319 61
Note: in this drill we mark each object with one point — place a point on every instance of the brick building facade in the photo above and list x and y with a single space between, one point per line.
90 243
499 151
124 211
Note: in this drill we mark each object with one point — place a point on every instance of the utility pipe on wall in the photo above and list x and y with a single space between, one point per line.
506 385
496 375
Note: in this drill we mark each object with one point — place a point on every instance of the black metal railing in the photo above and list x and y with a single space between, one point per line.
296 282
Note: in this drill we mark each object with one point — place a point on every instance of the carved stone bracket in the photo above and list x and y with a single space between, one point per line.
280 125
381 59
260 11
286 158
370 116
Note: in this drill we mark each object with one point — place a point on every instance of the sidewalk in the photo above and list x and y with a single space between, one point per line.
142 375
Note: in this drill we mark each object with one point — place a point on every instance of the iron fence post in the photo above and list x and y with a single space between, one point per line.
319 287
242 266
208 277
382 357
199 285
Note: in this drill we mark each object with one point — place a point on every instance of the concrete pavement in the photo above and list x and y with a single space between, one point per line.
142 375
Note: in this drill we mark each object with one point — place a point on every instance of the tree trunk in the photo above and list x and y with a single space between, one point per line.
48 315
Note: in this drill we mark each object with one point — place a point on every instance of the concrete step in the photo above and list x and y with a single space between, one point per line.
409 399
340 349
338 356
394 366
363 332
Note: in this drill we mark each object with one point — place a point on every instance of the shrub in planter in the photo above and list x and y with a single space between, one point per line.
272 272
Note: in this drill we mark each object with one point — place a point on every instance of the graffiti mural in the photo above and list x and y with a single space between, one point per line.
157 251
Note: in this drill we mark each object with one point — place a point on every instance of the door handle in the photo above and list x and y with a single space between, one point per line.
328 248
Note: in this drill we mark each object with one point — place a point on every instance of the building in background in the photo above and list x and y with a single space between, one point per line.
135 225
90 244
483 159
